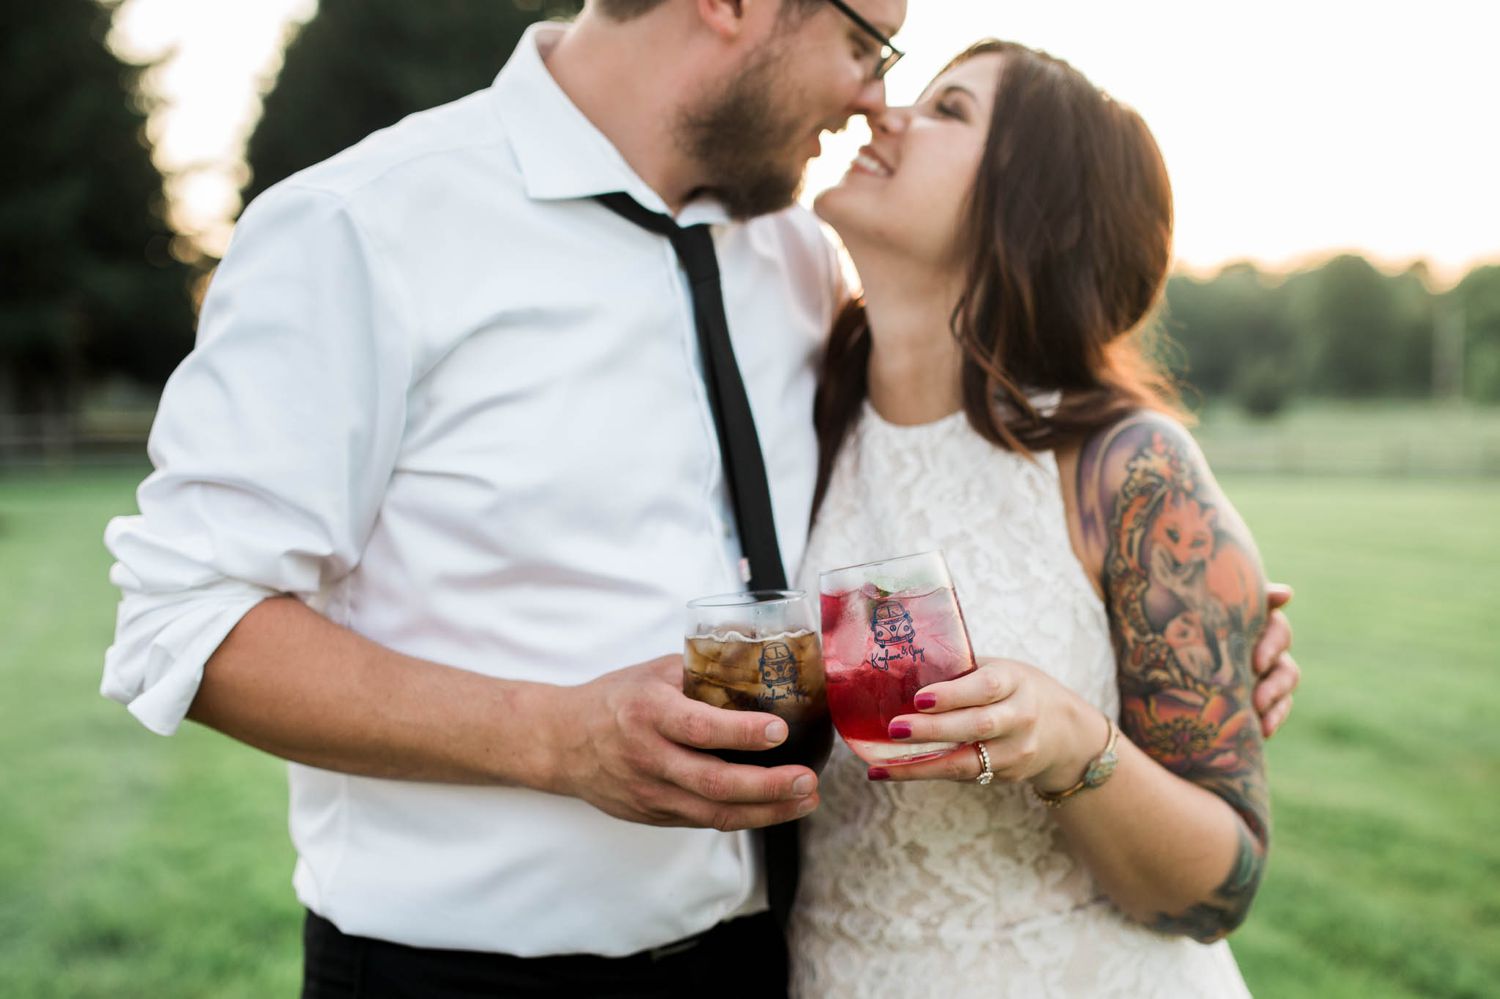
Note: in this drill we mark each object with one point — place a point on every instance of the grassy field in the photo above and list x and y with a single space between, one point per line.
1385 877
1390 440
130 865
137 866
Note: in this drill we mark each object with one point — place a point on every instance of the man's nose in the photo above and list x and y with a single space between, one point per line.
870 101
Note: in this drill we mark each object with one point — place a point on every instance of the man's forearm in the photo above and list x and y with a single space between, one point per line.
291 682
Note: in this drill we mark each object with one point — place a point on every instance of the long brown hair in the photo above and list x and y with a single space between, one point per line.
1068 244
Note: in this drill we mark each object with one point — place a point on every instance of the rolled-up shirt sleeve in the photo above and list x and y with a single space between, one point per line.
271 449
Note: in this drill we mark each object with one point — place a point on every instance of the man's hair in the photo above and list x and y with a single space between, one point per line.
629 10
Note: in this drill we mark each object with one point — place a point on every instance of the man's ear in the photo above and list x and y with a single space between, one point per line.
725 18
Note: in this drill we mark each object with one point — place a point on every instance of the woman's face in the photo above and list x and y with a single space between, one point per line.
909 189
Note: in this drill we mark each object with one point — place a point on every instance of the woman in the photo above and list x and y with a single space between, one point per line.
1012 230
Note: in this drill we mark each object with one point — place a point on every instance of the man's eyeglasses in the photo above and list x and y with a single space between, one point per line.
889 54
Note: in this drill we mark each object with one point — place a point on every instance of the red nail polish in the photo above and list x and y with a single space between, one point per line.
900 730
879 773
925 701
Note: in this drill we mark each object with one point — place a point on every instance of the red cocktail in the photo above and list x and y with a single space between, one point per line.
890 628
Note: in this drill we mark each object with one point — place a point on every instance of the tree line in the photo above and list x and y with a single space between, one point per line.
1342 329
91 291
88 285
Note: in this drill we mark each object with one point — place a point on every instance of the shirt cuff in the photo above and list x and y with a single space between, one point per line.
156 664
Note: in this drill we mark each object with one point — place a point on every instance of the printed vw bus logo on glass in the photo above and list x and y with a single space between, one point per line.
761 651
778 673
892 625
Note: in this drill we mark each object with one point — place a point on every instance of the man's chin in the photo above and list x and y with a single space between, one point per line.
763 196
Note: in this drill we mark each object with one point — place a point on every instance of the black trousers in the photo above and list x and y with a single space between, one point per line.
743 959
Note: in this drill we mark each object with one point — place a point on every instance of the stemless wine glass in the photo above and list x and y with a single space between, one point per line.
890 628
759 651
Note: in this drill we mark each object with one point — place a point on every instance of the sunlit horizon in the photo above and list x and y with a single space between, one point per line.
1292 135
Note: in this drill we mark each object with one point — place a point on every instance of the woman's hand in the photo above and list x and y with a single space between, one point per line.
1033 728
1277 673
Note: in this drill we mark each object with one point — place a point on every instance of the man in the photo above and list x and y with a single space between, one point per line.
442 465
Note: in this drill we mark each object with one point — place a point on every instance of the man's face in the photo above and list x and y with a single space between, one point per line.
754 134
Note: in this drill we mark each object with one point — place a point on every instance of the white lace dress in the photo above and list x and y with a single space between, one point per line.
956 890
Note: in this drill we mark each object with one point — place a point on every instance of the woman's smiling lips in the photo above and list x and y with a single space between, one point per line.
867 161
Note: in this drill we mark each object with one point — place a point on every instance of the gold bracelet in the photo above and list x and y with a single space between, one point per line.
1100 769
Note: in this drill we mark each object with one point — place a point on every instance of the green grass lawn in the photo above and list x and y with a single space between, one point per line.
1390 439
1385 871
132 865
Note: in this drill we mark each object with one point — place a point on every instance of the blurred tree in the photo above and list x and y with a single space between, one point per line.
1416 314
1361 333
1236 338
1475 304
1340 329
361 65
1262 387
1193 319
87 285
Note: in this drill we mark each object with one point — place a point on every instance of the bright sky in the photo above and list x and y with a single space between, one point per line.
1292 128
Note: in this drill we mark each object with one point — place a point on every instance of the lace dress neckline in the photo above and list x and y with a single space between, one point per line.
873 419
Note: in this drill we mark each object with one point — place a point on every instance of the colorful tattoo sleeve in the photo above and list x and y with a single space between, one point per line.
1186 602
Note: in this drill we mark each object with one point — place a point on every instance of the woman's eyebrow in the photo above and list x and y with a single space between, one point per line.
948 90
956 88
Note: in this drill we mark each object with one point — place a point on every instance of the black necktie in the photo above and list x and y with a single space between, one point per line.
744 468
739 446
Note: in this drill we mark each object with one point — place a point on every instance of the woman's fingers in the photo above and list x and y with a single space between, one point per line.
989 703
1011 759
958 764
1274 640
995 705
1277 716
994 680
1277 684
991 721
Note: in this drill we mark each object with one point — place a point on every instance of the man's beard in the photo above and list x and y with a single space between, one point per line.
745 144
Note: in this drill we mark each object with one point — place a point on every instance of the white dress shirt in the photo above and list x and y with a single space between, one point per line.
455 406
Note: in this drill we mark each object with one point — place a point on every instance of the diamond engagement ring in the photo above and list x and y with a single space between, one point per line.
985 773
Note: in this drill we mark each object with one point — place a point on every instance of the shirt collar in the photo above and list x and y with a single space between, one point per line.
561 154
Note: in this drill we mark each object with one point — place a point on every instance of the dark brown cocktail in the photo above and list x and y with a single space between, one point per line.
761 652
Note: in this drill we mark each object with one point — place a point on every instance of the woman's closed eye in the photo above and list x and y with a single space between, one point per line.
951 109
954 103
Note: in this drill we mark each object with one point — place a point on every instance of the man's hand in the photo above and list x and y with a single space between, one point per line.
1278 673
627 743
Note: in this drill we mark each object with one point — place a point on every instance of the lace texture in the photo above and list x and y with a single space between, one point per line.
957 890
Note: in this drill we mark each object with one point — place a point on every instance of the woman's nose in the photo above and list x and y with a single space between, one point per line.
892 121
